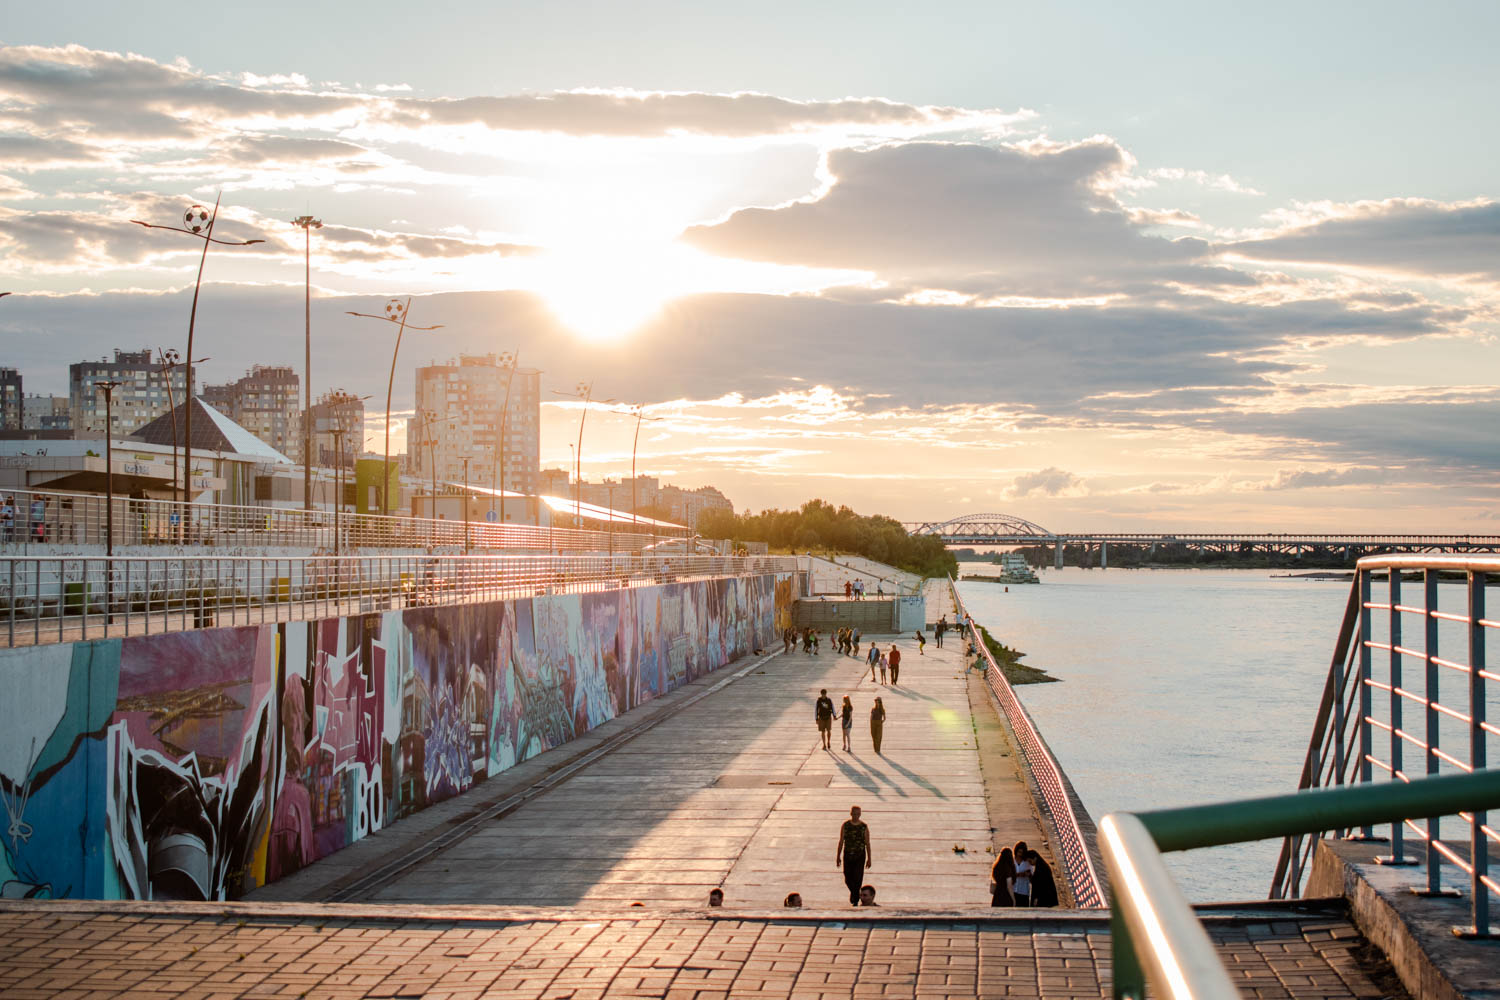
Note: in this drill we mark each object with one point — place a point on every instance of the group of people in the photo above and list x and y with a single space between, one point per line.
9 514
855 590
847 639
882 661
1022 877
823 713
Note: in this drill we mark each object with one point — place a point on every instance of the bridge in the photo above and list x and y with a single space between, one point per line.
1007 529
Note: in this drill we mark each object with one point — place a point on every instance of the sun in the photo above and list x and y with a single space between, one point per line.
605 293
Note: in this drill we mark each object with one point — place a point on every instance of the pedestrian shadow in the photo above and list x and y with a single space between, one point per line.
878 774
909 694
918 780
857 776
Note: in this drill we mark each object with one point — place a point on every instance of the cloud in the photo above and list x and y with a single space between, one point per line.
1045 482
1409 235
1302 479
1017 218
645 114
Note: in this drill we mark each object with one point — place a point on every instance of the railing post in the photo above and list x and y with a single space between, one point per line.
1398 827
1430 693
1127 977
1367 832
1479 848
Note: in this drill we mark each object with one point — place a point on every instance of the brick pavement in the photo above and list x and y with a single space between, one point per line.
51 951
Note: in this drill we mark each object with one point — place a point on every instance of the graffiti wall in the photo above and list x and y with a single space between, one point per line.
200 765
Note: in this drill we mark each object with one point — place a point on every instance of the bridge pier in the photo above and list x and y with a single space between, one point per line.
1058 554
1104 555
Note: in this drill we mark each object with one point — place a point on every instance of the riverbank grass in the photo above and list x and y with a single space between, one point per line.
1010 662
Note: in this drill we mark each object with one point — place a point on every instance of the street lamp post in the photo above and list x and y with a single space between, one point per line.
508 359
640 415
307 224
340 403
108 389
584 391
395 312
197 221
167 361
466 506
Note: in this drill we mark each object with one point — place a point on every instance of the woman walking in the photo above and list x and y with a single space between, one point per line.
882 667
1002 879
877 724
847 721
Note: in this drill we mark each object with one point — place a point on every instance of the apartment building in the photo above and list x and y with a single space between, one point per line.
141 397
266 401
45 413
337 412
11 400
459 415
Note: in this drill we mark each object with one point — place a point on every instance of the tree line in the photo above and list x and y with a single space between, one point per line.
821 527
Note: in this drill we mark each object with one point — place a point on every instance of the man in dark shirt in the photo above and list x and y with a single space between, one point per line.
854 853
939 629
895 663
824 715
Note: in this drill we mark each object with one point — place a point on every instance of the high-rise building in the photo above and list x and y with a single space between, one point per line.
458 416
11 407
141 397
45 413
337 412
266 401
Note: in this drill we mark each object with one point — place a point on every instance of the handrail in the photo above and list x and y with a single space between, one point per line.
47 600
81 519
1176 954
1078 862
1361 727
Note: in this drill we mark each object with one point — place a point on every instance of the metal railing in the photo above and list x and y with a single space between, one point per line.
1155 935
45 600
80 519
1362 727
1078 862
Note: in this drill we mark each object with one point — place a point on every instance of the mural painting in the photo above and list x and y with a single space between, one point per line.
203 764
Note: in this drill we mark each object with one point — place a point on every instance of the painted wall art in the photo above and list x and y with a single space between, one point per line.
200 765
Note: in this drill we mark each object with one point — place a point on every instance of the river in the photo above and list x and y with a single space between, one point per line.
1178 687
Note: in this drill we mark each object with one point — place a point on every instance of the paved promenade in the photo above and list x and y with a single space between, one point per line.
737 792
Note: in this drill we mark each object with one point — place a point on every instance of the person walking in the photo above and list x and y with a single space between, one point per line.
882 668
39 519
854 853
817 642
855 636
877 724
921 643
823 712
939 629
846 721
1022 890
1003 879
873 659
848 590
1043 885
895 663
8 520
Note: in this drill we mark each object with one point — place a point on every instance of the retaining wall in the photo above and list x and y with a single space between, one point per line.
203 764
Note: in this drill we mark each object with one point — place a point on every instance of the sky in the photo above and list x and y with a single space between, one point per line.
1159 266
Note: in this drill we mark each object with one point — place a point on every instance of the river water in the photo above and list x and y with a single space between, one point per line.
1178 687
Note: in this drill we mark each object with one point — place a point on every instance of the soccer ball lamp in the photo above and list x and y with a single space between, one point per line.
197 219
394 310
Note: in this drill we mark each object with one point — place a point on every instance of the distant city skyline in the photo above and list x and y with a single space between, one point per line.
1122 267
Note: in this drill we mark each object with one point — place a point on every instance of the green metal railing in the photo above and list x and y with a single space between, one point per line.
1410 693
1156 935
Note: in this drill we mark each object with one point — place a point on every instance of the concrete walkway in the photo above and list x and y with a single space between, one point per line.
736 791
52 951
